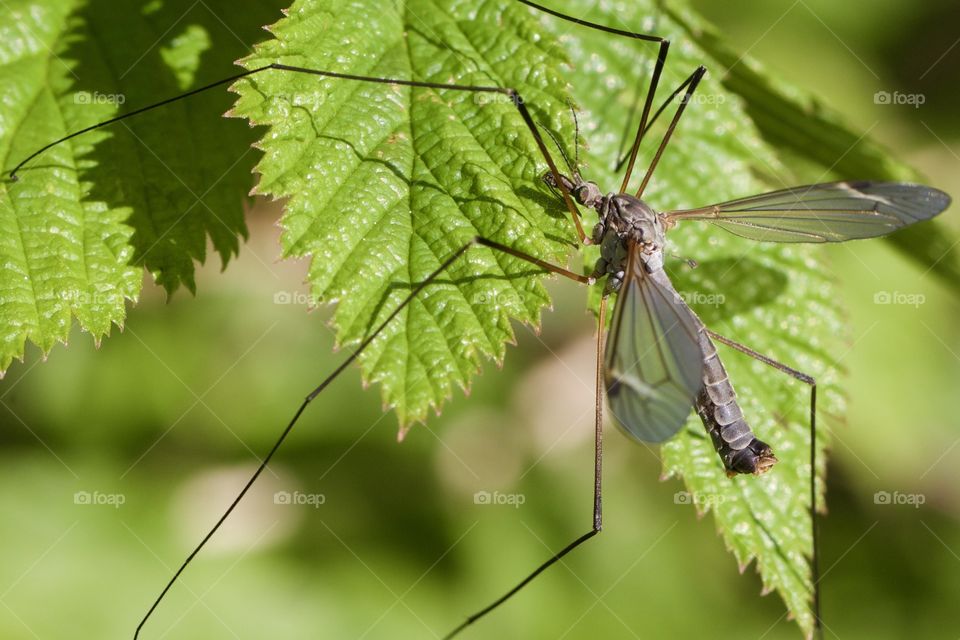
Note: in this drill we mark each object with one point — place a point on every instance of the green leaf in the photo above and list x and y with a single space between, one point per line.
63 255
151 191
384 183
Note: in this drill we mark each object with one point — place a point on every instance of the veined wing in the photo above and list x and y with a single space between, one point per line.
653 368
831 212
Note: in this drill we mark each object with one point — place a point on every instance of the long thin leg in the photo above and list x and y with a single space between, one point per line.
654 78
512 94
597 522
592 25
659 112
808 380
622 155
690 84
537 261
693 81
647 103
330 378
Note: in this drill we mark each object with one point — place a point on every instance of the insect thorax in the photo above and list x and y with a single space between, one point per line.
623 219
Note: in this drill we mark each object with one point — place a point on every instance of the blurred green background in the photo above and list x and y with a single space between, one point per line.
170 415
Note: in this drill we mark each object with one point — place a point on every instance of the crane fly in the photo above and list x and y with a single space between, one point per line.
659 360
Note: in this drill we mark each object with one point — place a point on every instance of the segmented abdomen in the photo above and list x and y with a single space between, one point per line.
717 406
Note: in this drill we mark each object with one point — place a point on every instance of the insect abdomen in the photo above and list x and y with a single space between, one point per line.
717 406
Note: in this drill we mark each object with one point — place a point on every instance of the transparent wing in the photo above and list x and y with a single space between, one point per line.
653 362
831 212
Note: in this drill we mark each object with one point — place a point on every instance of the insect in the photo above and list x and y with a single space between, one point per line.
659 360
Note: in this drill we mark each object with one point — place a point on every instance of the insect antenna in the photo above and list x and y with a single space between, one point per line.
572 166
576 138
